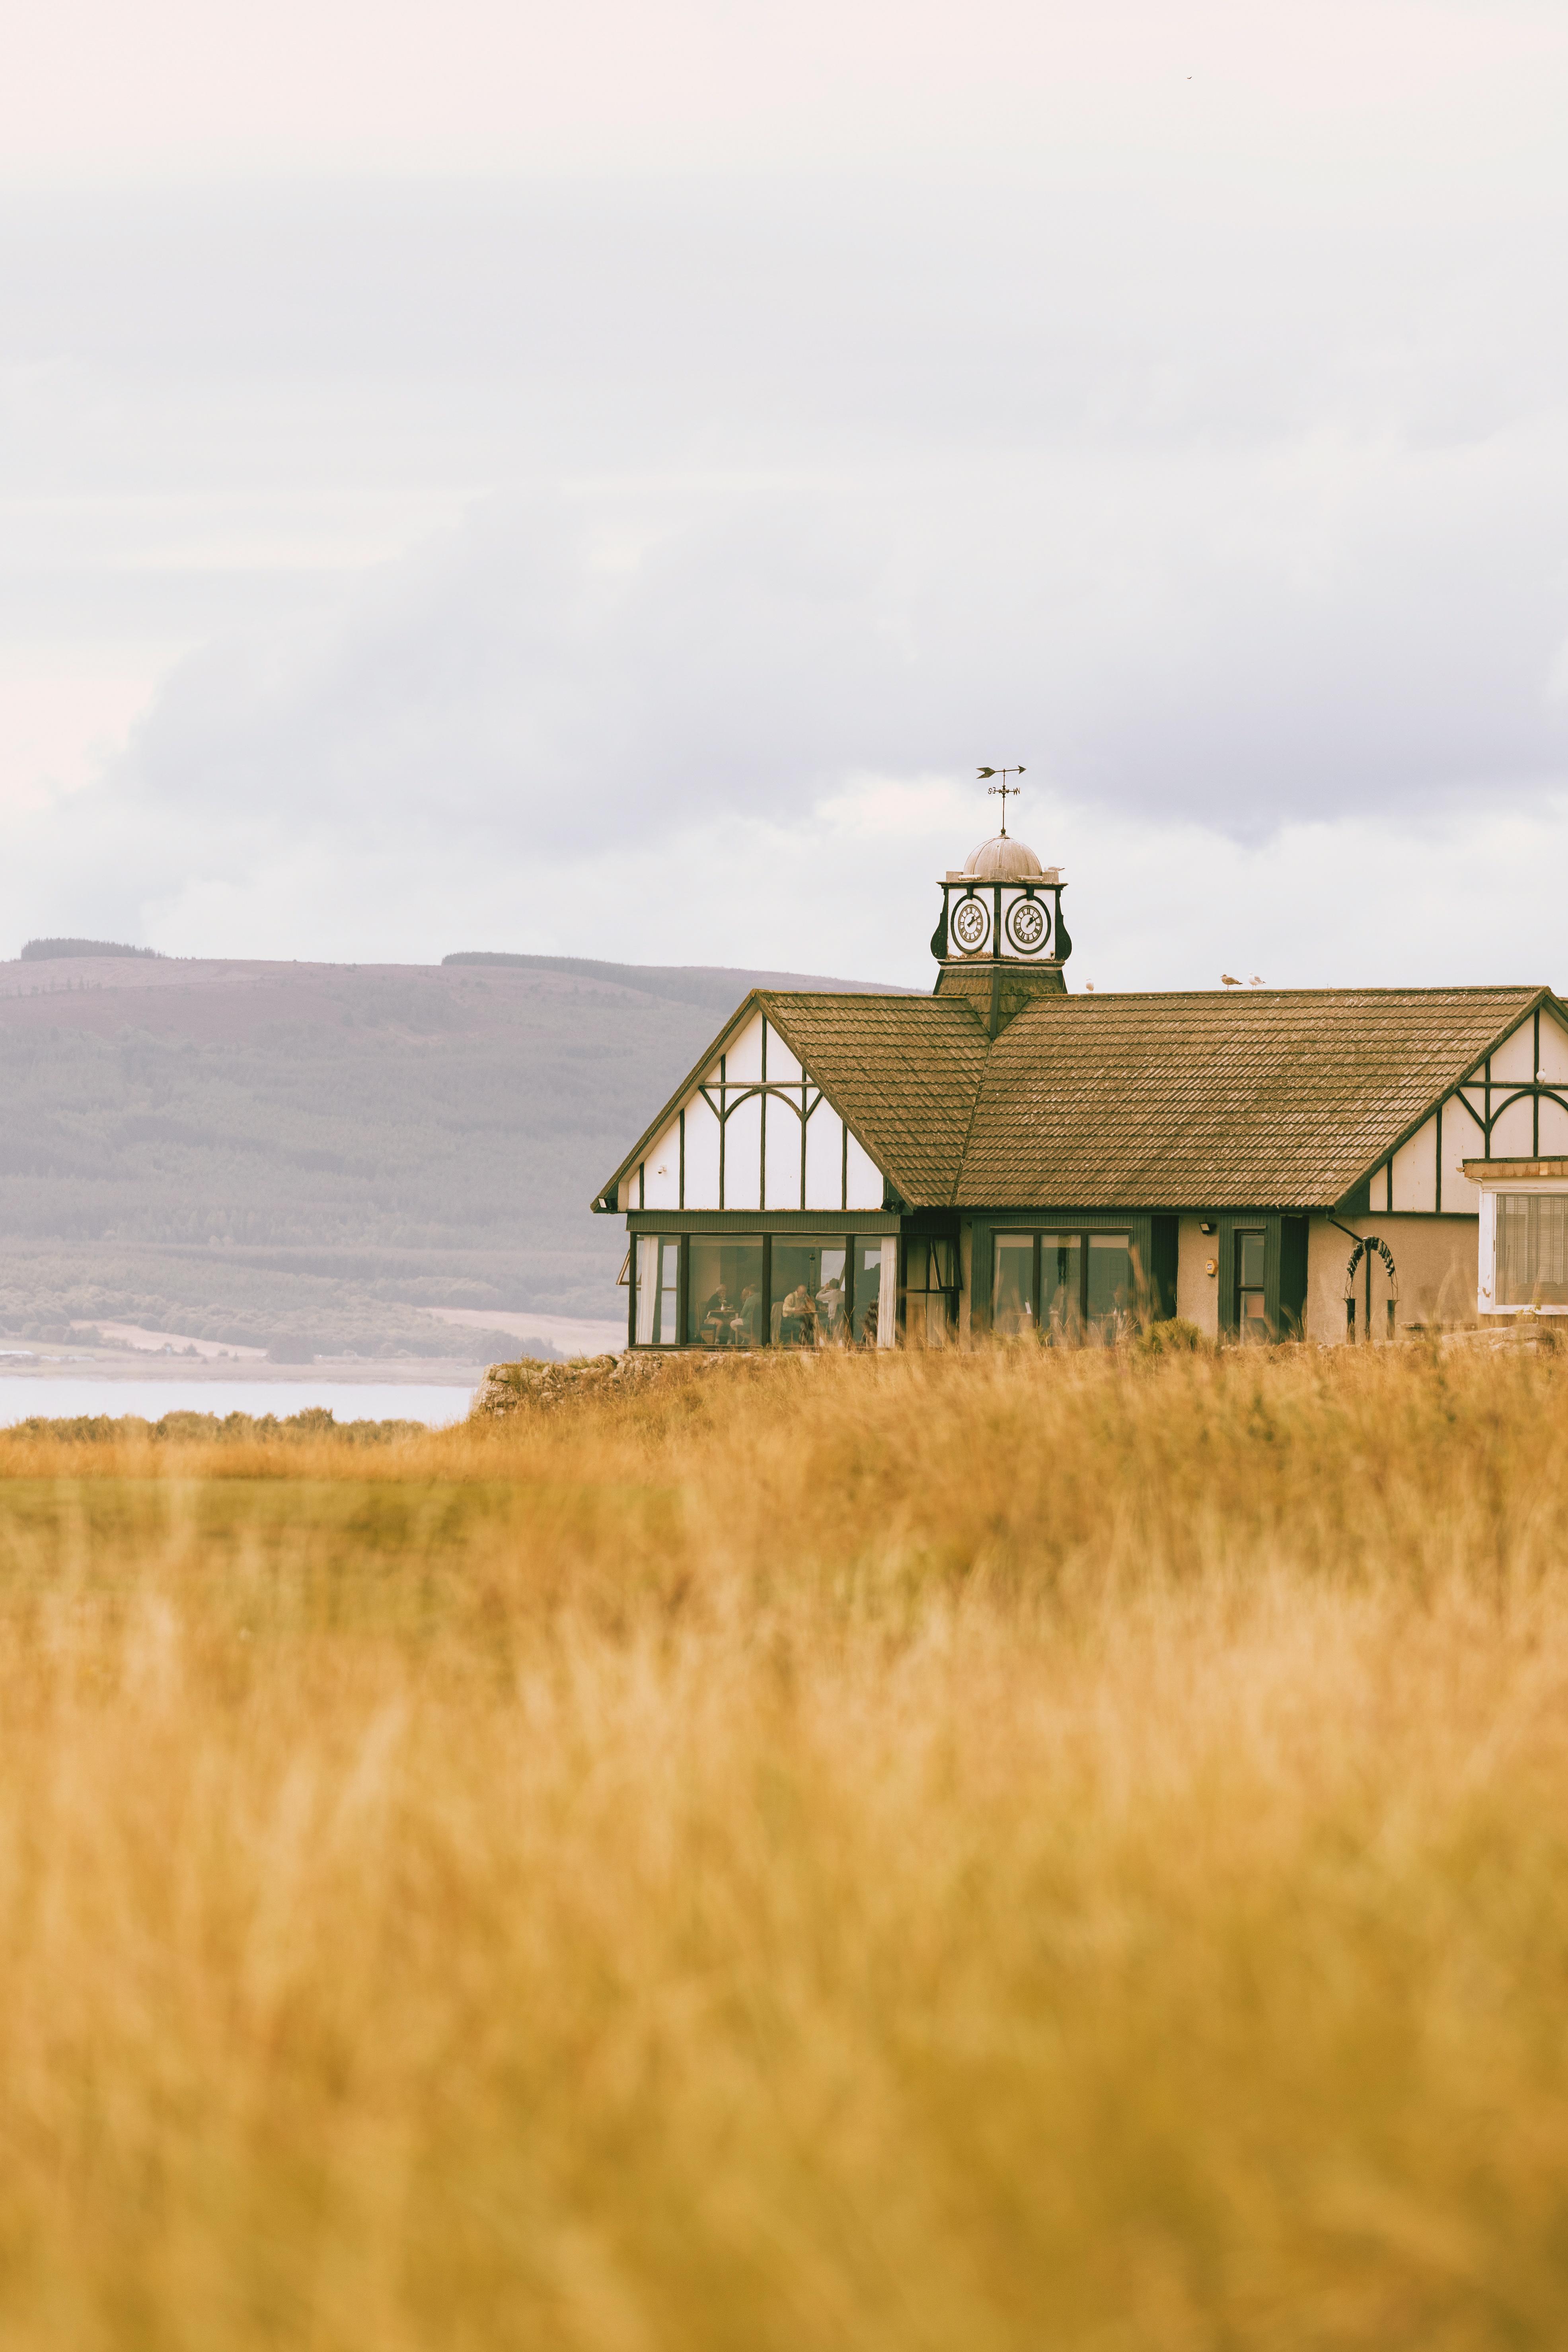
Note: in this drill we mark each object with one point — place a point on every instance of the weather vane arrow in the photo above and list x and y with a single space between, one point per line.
1004 788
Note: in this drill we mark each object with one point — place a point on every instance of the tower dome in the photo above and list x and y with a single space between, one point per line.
1002 859
1001 940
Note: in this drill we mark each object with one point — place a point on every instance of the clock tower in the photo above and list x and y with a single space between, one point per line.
1001 940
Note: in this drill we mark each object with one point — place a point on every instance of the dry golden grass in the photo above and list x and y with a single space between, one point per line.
998 1852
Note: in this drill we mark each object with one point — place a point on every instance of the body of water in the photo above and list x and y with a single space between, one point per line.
24 1397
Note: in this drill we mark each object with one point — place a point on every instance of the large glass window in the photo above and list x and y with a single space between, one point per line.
1063 1286
810 1302
1251 1322
876 1279
726 1291
657 1290
1013 1286
930 1291
1531 1249
823 1290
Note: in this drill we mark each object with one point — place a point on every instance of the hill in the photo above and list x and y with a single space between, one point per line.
301 1156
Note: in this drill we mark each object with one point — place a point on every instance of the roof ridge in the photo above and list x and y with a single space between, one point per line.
1253 995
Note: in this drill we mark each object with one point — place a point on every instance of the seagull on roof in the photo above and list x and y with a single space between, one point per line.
1228 980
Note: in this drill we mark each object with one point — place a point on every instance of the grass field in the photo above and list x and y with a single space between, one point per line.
1004 1853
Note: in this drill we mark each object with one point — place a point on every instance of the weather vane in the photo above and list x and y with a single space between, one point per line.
1003 788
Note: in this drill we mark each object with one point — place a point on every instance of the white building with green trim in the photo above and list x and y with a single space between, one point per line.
1008 1157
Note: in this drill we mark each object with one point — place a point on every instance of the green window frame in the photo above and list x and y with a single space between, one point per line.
1074 1292
667 1308
1249 1303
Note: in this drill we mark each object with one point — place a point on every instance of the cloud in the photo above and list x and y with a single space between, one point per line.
546 548
1252 637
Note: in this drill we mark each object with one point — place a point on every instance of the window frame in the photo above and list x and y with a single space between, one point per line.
1247 1329
854 1231
949 1292
1082 1232
661 1238
1525 1195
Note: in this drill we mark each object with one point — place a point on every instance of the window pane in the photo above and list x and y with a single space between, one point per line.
647 1287
1250 1261
1532 1249
1251 1322
726 1308
1550 1279
1061 1288
930 1283
876 1293
1012 1285
807 1308
1513 1249
1110 1285
867 1293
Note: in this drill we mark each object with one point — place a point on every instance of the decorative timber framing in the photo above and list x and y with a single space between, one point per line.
1486 1097
724 1097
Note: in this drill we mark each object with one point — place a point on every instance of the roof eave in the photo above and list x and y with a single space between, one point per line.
1531 1004
606 1200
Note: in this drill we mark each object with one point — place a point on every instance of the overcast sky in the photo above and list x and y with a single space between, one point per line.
600 479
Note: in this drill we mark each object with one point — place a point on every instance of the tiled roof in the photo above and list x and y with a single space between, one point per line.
1252 1098
1283 1096
1263 1097
903 1070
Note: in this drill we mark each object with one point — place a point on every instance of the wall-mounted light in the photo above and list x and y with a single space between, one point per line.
1207 1227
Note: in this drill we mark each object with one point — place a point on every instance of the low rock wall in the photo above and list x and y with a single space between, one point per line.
530 1386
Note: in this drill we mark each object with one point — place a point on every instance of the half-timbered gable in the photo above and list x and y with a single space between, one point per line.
751 1130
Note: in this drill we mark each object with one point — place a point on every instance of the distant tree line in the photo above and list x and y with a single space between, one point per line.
40 950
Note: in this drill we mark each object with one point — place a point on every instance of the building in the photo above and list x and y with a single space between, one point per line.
1005 1157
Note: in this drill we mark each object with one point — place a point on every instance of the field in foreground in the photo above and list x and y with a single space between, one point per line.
1027 1853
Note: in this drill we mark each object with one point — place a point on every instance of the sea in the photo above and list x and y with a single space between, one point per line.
58 1397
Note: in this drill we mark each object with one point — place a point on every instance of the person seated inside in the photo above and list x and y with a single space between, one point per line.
716 1318
750 1316
830 1309
797 1323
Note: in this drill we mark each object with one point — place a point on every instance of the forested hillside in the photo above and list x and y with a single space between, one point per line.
298 1155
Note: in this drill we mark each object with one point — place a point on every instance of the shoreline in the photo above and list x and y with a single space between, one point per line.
188 1370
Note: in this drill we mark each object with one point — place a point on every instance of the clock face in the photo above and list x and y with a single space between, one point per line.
970 925
1025 925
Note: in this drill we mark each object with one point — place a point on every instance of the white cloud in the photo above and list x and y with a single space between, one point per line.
576 546
848 888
